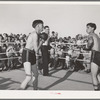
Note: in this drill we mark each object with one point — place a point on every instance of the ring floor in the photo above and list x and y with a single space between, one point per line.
58 80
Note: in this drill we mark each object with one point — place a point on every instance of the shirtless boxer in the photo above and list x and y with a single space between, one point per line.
94 46
29 55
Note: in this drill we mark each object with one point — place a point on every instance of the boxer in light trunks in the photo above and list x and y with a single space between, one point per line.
94 46
29 55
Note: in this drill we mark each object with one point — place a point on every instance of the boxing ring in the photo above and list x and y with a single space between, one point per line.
71 44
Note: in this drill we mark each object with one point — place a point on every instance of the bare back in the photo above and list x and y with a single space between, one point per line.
96 42
32 41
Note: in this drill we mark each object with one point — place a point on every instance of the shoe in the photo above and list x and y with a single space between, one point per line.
71 69
20 89
40 71
46 75
35 89
62 68
87 70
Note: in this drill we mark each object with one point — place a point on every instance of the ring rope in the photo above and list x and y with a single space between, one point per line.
10 52
77 59
78 52
40 55
49 50
10 58
71 43
11 43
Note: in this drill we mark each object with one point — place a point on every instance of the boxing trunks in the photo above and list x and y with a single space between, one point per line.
95 57
29 56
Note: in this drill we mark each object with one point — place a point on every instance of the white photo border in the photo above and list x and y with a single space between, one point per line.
18 94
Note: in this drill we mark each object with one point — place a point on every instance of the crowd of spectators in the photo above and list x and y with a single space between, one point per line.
63 52
68 53
11 46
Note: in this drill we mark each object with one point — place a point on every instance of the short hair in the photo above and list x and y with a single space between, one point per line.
36 22
46 27
53 32
5 34
1 36
59 46
93 25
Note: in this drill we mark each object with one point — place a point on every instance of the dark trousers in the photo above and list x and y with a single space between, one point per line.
60 62
45 59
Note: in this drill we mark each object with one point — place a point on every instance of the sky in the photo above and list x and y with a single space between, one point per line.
67 20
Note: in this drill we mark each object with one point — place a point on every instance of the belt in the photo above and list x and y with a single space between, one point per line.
29 50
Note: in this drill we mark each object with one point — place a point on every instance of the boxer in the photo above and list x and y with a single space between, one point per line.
30 53
94 46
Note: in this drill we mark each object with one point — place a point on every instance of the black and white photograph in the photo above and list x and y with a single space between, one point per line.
50 46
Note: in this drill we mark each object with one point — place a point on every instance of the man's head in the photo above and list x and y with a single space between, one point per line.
5 35
53 33
46 29
91 27
1 37
38 25
59 47
60 39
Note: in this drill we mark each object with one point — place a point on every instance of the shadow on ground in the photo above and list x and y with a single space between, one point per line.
58 81
5 83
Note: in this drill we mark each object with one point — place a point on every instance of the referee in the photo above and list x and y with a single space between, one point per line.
45 53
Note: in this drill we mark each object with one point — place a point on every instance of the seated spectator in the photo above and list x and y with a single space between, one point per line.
59 57
52 55
4 62
79 64
22 41
17 41
70 62
1 38
10 52
67 60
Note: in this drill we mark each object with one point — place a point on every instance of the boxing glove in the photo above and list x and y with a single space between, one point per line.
44 36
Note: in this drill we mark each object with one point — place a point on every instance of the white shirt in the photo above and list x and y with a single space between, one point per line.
67 58
79 42
45 43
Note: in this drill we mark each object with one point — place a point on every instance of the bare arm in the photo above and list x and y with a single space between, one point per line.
40 44
35 43
30 41
89 44
51 44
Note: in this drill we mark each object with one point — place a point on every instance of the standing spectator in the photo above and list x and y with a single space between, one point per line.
4 47
53 37
45 53
1 38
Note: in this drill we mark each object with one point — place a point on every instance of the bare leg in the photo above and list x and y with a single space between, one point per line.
35 72
98 76
94 71
27 68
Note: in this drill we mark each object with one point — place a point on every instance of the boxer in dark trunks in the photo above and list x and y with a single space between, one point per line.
94 46
95 57
30 53
29 56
